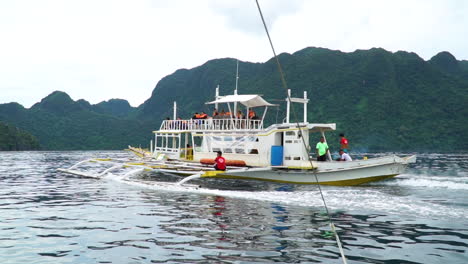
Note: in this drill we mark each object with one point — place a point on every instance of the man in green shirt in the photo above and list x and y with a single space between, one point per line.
322 148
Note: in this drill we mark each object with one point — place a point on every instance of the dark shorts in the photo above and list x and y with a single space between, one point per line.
216 168
322 158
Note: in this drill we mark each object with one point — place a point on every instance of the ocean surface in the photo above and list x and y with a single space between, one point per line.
50 217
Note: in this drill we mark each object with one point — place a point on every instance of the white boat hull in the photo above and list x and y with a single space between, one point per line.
328 173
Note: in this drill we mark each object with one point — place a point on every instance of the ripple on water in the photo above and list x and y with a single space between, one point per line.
48 217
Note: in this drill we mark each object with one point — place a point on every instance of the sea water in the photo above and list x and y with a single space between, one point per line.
420 216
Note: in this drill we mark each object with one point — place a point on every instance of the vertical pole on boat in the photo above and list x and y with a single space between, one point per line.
180 144
288 106
305 106
186 147
230 116
235 91
237 76
247 118
175 111
325 140
167 141
260 126
151 146
217 96
155 141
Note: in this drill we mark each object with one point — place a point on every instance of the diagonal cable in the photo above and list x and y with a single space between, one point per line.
285 86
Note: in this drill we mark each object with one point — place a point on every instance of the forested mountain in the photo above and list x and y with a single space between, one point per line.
63 124
12 138
382 101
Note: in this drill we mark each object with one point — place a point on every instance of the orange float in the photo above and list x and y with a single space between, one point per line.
235 163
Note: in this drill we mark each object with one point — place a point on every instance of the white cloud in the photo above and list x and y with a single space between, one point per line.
98 50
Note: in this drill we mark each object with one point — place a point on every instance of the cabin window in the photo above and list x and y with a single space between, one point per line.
216 149
227 150
287 158
253 151
197 141
297 158
290 133
289 141
240 151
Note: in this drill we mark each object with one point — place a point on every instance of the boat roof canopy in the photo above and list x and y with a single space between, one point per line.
249 100
321 127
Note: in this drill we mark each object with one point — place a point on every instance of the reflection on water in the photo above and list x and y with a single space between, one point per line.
48 217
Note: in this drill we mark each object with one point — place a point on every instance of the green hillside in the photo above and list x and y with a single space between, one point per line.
12 138
63 124
382 101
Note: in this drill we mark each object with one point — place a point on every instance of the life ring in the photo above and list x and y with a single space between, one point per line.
235 163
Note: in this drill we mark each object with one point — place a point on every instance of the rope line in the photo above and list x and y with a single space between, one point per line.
285 86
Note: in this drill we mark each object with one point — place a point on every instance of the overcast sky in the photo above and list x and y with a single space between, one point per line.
102 49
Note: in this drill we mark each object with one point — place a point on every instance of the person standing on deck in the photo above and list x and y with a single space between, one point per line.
322 149
344 143
189 152
252 114
220 162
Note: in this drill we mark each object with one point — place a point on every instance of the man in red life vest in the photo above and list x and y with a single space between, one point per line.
344 143
220 162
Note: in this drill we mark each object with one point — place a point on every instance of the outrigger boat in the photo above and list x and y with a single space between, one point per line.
277 153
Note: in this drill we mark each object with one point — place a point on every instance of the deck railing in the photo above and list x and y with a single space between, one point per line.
211 124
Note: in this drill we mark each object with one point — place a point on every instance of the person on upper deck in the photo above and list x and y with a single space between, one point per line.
252 114
344 143
203 115
196 116
322 149
222 113
240 115
220 162
344 156
181 123
225 115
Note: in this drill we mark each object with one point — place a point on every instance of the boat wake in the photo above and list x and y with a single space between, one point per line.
428 181
378 199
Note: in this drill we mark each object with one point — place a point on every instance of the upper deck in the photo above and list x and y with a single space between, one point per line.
211 125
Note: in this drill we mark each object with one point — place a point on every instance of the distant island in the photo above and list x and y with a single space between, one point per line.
382 101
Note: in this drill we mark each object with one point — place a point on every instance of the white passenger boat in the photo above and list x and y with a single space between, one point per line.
277 153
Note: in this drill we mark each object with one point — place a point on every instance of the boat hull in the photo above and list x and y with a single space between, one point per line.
328 173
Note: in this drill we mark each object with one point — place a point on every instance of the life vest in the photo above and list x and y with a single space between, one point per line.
344 143
236 163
